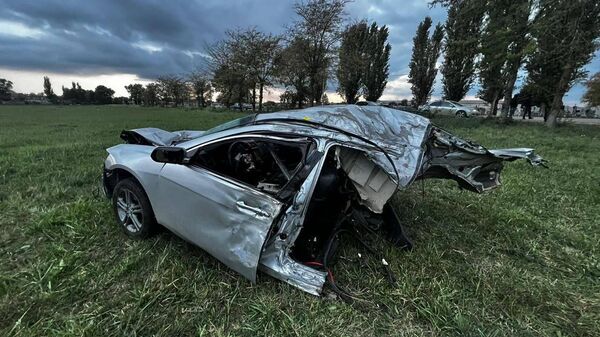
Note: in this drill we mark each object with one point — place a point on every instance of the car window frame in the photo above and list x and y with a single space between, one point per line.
277 138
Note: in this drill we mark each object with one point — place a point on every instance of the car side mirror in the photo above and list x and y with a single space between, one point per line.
168 154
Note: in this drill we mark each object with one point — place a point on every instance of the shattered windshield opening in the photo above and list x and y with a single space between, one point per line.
232 124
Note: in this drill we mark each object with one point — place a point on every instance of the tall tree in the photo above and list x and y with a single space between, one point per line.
172 89
493 49
426 51
5 89
377 67
292 72
463 29
231 65
352 61
151 97
503 46
201 87
77 95
592 95
136 92
48 89
258 54
517 33
319 25
103 95
566 33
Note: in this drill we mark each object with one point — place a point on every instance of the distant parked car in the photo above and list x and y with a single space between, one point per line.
242 106
448 108
217 105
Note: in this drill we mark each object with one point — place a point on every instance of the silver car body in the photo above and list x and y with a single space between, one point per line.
380 149
449 108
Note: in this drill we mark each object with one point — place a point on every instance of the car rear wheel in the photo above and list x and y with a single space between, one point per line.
132 209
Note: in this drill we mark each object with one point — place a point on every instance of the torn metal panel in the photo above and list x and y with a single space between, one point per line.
399 135
520 153
275 259
473 166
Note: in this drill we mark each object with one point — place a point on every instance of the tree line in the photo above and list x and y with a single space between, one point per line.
492 41
315 50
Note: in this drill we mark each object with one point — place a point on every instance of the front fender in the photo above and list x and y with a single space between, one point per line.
136 161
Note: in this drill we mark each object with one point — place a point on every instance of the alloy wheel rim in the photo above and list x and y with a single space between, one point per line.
129 210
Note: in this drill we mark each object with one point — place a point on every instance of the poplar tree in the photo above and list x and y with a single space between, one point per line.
426 51
377 67
463 30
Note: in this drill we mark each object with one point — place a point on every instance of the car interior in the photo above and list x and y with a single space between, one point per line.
263 163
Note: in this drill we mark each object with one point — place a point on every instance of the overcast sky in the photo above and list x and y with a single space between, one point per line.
124 41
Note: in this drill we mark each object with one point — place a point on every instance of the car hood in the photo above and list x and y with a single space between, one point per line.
158 137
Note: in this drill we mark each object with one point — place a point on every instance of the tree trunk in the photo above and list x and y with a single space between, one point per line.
543 111
494 107
561 88
508 90
254 98
260 97
241 97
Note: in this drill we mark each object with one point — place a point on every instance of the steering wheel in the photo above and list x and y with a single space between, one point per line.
240 165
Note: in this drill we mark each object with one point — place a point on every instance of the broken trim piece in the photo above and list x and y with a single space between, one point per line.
372 183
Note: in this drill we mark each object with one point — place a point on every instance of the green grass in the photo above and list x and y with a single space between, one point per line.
520 261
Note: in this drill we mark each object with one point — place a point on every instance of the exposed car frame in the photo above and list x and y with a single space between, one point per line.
329 168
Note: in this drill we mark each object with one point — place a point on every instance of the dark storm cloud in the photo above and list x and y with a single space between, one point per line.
149 38
146 38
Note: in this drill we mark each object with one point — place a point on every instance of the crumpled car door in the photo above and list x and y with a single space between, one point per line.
227 219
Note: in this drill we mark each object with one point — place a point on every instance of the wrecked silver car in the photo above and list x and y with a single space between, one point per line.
274 191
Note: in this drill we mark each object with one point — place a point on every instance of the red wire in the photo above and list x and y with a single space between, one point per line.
314 263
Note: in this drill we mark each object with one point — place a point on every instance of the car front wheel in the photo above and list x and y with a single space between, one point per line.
461 114
132 209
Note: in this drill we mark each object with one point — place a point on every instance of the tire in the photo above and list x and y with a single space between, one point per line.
132 209
461 114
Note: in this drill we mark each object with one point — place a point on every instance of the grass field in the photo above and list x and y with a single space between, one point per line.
523 260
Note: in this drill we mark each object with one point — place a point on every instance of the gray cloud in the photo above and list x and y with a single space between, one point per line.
148 38
101 36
